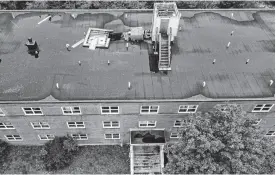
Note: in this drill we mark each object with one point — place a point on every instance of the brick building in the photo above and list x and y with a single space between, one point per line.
53 95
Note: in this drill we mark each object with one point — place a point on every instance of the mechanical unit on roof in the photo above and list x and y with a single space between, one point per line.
164 29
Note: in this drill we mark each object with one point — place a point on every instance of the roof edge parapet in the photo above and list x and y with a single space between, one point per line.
196 98
130 10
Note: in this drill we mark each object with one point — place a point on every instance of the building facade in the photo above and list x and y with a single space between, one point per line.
110 122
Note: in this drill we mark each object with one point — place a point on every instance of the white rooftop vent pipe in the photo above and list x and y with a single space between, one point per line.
57 85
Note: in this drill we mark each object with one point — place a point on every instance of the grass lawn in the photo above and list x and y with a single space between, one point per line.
89 160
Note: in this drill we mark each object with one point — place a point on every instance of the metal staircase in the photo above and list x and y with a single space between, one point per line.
164 52
165 26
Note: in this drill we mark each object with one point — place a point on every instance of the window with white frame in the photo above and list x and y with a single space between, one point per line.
13 137
187 108
257 121
40 125
46 137
75 124
270 133
2 112
177 123
174 135
147 123
112 136
32 111
6 125
110 109
149 109
69 110
80 136
111 124
262 108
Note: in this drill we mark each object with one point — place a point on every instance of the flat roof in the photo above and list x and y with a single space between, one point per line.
203 38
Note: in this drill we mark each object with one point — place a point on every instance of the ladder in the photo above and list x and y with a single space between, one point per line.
164 52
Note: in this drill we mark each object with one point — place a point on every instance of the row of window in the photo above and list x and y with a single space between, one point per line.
69 110
45 125
51 137
85 137
106 124
153 109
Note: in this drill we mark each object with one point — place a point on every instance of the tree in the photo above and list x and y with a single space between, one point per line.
58 153
7 5
221 141
37 5
237 4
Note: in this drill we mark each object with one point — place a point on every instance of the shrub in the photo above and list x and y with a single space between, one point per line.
4 152
58 153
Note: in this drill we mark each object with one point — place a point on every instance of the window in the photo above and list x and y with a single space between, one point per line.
1 112
263 108
256 122
111 124
13 137
40 125
80 136
112 136
46 137
110 109
270 133
187 108
147 123
75 124
149 109
68 110
32 111
6 125
174 135
177 123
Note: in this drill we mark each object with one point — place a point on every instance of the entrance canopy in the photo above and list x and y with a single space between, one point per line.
151 137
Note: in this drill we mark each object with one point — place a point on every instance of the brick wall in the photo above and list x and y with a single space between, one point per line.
91 115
